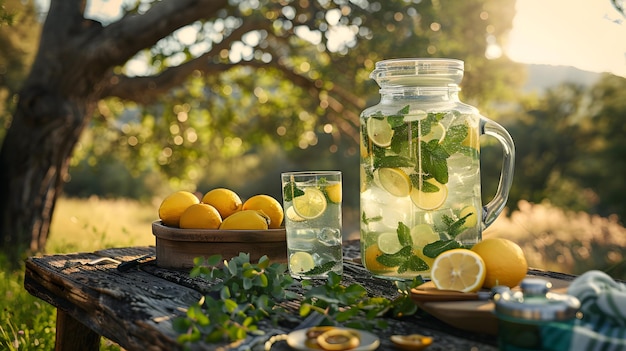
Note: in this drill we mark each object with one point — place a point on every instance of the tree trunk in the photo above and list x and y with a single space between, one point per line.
71 72
50 116
33 161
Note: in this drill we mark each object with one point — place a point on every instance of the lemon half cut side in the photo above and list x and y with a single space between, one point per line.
458 270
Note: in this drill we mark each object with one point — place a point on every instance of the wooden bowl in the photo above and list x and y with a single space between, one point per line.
177 248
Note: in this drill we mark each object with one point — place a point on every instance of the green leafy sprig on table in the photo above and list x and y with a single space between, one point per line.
246 293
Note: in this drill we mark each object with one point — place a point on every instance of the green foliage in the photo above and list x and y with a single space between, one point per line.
19 31
304 107
569 148
244 294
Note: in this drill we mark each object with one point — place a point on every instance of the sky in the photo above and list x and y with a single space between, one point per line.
587 34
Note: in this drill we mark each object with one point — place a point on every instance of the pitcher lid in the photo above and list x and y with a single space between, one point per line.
418 71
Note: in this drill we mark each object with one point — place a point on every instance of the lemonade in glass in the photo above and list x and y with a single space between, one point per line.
312 202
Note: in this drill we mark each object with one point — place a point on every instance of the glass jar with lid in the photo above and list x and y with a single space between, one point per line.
420 168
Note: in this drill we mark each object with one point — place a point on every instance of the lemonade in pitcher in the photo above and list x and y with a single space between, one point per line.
420 169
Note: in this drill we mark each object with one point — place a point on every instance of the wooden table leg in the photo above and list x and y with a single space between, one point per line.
72 335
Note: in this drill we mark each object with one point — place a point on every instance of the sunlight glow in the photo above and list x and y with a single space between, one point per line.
586 34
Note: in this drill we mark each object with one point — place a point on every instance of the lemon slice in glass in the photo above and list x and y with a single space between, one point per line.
423 234
437 132
389 243
379 131
395 181
292 215
459 270
334 193
301 262
310 205
430 200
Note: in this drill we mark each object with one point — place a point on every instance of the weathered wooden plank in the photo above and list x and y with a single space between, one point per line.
135 308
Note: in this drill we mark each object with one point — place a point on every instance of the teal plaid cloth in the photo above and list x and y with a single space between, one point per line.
603 304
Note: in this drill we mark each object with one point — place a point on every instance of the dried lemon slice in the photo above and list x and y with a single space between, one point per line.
411 342
338 339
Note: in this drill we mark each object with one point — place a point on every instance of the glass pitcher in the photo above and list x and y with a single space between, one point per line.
420 168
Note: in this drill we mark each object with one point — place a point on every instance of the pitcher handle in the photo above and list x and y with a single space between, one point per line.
492 210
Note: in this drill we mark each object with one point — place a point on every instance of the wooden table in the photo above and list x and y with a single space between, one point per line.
135 308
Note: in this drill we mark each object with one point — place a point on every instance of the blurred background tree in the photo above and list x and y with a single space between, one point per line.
235 97
218 89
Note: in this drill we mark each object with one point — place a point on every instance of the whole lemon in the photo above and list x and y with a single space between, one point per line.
224 200
269 205
504 261
173 206
246 220
200 216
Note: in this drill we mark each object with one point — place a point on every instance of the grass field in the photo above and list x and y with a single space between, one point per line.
78 225
551 238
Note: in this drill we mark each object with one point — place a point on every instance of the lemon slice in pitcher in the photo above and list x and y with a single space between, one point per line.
437 132
379 131
430 200
389 243
310 205
423 234
395 181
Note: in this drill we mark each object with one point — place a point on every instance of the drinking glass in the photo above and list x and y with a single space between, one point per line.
312 202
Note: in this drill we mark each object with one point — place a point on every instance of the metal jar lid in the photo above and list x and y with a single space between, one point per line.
536 303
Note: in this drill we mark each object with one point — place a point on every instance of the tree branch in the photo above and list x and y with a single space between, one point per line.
121 40
145 90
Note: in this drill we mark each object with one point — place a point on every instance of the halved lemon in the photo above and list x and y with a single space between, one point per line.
389 243
379 131
437 132
423 234
301 262
430 200
459 270
310 205
395 181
